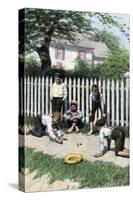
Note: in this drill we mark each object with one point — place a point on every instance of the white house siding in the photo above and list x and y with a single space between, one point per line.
71 54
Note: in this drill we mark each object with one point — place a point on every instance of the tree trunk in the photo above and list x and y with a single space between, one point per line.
44 55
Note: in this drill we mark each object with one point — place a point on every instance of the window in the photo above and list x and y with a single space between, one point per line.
82 55
59 53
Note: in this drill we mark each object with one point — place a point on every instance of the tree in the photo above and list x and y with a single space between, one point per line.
111 41
43 26
115 64
118 60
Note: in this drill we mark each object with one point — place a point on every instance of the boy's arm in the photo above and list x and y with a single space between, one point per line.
67 115
103 148
79 115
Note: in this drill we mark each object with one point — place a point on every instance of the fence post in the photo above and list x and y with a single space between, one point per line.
117 103
108 101
74 89
39 95
82 104
87 100
51 83
25 86
46 85
113 104
35 97
127 100
70 90
78 85
122 103
99 86
31 98
43 95
66 99
22 96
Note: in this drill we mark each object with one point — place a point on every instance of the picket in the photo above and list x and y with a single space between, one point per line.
31 97
113 103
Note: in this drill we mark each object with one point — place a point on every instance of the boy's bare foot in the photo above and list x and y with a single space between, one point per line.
77 129
123 154
70 129
126 150
89 133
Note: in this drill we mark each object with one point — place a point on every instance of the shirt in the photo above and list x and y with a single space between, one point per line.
47 121
71 115
105 132
59 90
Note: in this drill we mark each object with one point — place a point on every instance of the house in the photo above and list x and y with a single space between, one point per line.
63 53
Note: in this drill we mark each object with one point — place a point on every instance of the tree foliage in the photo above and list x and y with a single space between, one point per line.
43 26
109 39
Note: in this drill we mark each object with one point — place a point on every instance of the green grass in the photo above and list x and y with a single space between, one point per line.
87 173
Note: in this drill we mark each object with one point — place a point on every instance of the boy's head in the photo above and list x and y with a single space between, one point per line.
56 117
101 122
95 90
74 105
57 78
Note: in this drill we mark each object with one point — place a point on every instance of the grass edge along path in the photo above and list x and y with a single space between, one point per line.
90 174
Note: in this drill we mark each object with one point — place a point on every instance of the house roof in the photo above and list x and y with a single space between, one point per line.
99 49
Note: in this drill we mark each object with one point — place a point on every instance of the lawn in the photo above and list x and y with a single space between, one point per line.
88 173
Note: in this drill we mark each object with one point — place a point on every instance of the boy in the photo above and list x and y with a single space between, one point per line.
58 93
96 102
73 117
52 127
105 136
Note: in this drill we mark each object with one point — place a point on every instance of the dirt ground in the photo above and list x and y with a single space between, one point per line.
76 143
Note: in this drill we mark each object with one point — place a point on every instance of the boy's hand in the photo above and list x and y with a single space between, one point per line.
103 115
90 114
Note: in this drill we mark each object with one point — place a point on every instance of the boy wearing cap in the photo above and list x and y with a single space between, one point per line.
58 93
105 136
73 117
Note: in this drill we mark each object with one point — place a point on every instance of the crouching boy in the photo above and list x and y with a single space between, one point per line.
52 127
105 136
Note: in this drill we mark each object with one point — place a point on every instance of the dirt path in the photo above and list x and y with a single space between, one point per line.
86 145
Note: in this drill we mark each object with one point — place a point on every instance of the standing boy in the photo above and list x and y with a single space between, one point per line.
96 102
58 93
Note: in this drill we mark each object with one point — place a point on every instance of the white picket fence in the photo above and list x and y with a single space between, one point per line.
35 97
